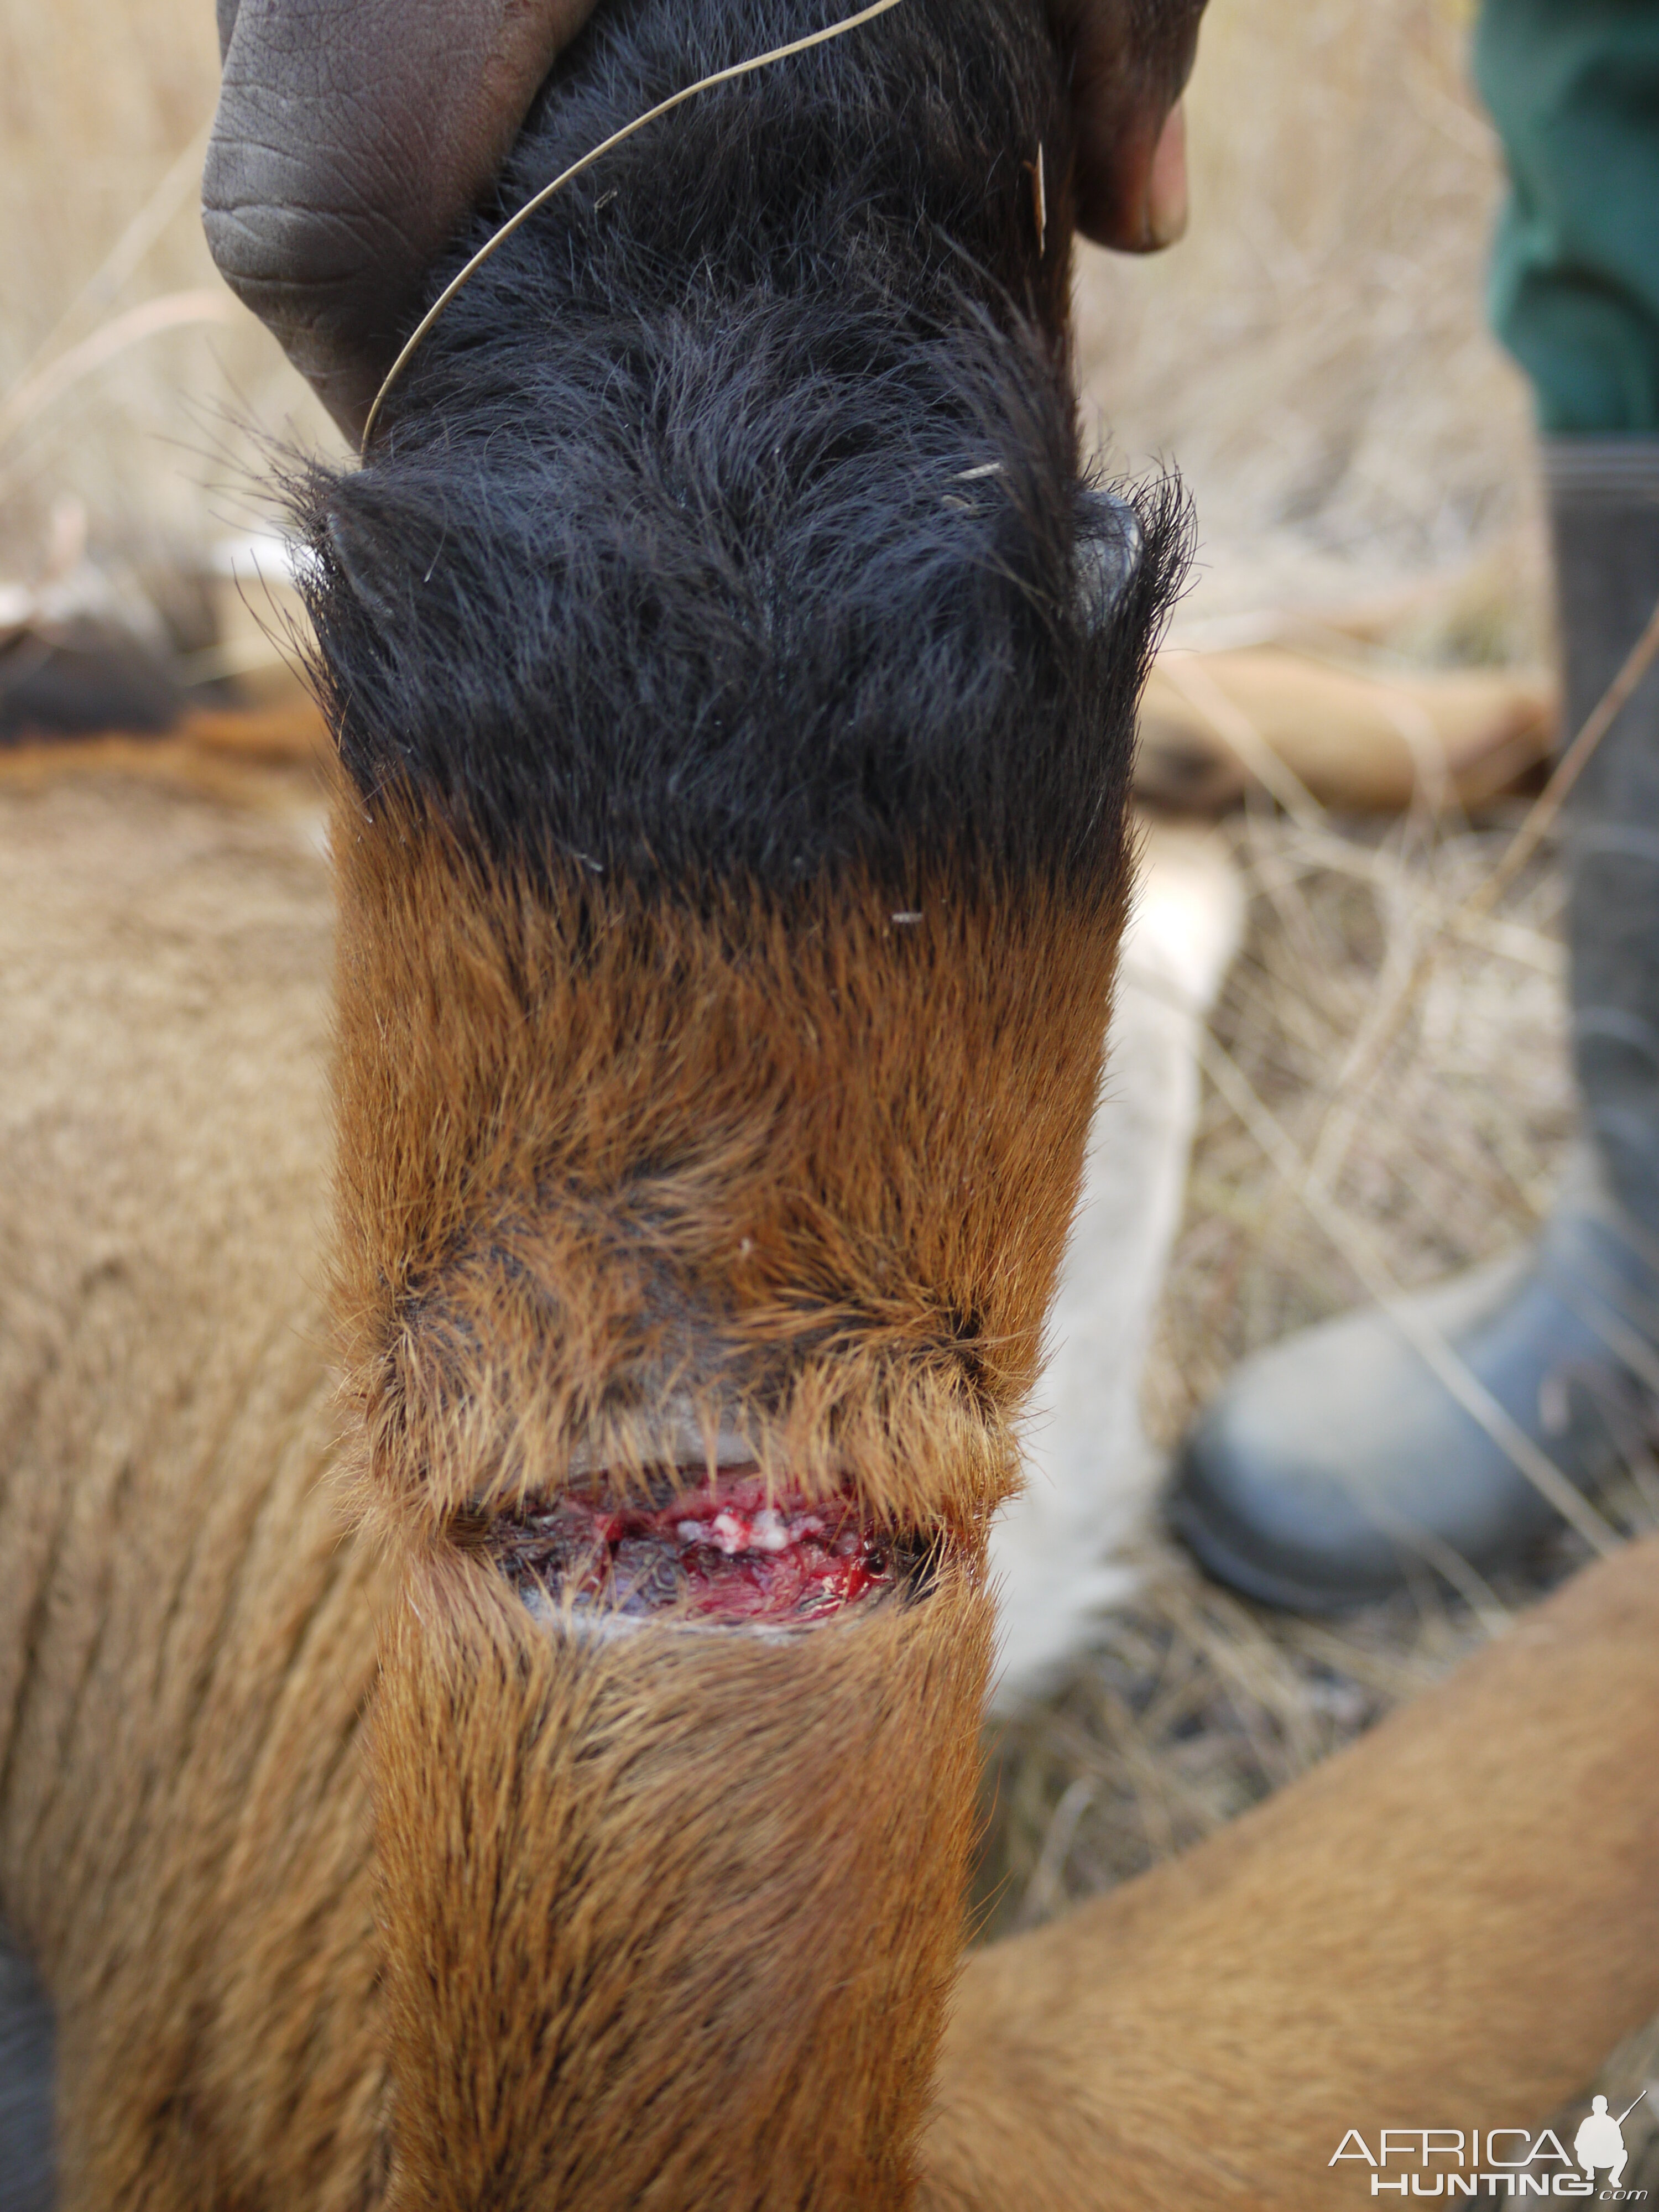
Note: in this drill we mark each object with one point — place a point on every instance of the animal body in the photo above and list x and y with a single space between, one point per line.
491 1673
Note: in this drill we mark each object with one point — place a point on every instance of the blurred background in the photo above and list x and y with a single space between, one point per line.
134 391
1312 356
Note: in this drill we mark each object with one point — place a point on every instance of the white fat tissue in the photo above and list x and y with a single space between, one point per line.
1091 1473
769 1531
765 1531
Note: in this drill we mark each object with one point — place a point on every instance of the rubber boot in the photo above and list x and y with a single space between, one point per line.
1332 1463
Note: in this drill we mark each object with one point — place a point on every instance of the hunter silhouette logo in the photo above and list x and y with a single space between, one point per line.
1451 2163
1600 2141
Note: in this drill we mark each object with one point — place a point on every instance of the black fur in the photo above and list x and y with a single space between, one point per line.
665 558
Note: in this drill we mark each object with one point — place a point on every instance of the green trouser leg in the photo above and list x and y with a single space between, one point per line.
1573 87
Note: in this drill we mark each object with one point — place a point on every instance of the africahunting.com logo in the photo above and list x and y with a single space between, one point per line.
1447 2162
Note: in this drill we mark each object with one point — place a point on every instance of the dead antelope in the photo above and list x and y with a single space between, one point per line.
734 684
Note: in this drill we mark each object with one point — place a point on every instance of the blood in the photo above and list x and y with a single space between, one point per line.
735 1549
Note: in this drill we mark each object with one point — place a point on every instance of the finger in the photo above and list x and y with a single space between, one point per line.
1129 60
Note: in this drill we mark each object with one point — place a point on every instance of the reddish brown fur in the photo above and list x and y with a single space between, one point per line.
186 1648
649 1936
814 1166
811 1170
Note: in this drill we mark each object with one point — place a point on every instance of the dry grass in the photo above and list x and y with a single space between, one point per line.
1429 1125
1431 1109
1435 1150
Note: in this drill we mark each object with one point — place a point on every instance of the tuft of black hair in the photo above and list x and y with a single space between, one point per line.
731 520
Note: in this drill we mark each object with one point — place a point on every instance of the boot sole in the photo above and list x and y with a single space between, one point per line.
1186 1523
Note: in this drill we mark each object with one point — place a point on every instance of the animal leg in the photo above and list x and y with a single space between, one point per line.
1448 1924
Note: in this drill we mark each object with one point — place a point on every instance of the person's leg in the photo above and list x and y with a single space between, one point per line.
1329 1461
1573 87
